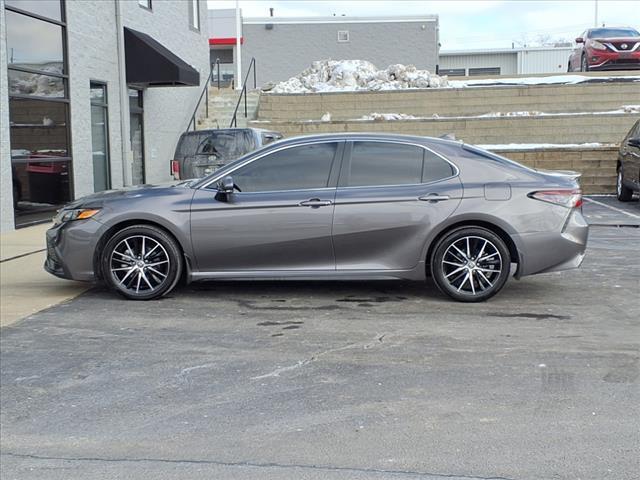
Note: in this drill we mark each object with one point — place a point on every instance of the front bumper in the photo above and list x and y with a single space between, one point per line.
544 252
606 60
71 249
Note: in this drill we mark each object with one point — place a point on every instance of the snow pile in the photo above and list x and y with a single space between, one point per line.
631 108
383 117
352 75
512 114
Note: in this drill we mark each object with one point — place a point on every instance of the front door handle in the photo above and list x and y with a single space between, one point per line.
433 197
315 202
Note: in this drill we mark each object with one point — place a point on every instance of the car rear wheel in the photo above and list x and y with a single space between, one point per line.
623 193
470 264
141 262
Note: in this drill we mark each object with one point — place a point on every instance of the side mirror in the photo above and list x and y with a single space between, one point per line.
226 185
579 40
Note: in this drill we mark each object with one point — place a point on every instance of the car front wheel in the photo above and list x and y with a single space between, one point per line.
623 193
141 262
470 264
584 66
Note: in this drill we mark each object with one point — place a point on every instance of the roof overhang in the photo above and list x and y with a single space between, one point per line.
151 64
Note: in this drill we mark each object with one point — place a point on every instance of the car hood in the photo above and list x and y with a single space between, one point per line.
97 200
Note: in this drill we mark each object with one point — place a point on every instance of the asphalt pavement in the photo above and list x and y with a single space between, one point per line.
340 380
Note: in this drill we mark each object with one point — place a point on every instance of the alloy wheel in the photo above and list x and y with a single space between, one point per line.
472 265
139 264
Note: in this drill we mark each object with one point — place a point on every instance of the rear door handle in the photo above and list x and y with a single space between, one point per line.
433 197
315 202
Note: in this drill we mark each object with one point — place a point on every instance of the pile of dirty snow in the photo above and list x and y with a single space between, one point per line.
352 75
383 117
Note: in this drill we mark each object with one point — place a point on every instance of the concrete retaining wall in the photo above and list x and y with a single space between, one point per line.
546 129
585 97
597 165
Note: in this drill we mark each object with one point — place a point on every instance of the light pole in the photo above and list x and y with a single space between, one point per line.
238 48
595 20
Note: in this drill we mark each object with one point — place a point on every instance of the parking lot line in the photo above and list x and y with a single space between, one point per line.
616 209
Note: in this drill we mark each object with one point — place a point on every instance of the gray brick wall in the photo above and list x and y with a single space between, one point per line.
92 55
287 49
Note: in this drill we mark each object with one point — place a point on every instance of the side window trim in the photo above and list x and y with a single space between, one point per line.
345 169
333 171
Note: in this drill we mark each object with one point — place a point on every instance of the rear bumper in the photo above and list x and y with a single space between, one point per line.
543 252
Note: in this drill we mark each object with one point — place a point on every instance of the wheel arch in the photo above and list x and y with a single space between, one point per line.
121 225
488 224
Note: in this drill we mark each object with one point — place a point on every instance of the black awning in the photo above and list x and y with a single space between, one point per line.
151 64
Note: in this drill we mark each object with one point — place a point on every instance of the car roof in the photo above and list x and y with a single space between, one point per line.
392 137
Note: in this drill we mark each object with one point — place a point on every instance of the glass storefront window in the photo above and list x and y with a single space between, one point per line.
38 108
45 8
26 83
38 129
100 137
38 188
34 44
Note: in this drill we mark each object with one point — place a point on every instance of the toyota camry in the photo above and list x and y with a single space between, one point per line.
339 206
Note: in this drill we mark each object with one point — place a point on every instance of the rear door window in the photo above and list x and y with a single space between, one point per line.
381 164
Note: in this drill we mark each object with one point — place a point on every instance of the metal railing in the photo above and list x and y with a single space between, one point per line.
243 93
205 93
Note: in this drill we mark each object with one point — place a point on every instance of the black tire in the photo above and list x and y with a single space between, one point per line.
623 193
584 66
160 267
485 278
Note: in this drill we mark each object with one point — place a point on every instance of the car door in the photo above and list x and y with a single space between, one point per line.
281 218
390 195
631 156
576 54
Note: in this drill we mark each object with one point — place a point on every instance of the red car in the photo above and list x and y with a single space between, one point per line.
606 49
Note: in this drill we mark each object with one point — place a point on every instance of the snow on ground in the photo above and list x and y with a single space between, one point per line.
535 146
355 75
551 80
379 117
352 75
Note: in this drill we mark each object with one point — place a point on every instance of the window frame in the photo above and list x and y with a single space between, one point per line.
105 106
346 165
334 172
148 7
194 5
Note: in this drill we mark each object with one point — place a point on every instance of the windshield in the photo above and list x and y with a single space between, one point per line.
613 33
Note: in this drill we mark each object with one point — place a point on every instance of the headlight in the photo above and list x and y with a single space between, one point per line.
64 216
597 45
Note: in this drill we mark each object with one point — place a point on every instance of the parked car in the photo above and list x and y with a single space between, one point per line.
339 206
201 152
628 167
606 49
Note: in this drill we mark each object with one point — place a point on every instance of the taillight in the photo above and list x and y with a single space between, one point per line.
566 198
175 169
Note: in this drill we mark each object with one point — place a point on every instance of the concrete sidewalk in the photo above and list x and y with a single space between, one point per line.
25 288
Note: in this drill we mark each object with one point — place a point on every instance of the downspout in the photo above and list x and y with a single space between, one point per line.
127 156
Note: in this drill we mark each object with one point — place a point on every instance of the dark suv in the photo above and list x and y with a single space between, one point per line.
606 49
628 178
201 152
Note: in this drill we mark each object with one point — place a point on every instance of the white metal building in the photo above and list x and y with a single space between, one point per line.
517 61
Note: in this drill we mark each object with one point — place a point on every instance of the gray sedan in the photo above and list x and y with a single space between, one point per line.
343 206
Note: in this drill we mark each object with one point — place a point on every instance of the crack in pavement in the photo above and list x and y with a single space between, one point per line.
251 464
301 363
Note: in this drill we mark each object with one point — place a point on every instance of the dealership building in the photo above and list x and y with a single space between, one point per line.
93 95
